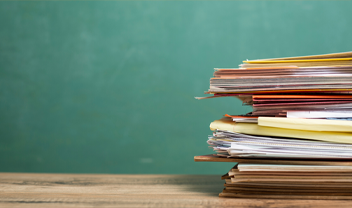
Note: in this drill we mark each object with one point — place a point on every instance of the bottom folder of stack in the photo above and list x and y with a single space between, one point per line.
275 181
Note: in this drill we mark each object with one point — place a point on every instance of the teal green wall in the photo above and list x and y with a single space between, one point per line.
108 87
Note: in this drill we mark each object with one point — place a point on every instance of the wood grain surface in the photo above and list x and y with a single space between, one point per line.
83 190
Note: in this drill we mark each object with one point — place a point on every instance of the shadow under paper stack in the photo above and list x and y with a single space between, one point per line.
297 141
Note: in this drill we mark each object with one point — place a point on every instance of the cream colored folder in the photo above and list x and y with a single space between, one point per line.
226 124
306 124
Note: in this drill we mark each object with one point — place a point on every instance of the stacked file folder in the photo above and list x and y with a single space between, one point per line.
301 119
288 181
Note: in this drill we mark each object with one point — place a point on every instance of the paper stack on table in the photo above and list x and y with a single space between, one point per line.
295 181
302 110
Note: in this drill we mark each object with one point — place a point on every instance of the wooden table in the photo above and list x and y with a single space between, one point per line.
84 190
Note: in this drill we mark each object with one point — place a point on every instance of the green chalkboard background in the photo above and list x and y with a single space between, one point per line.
109 87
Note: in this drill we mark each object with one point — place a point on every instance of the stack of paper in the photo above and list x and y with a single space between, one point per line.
302 110
322 73
288 181
231 144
